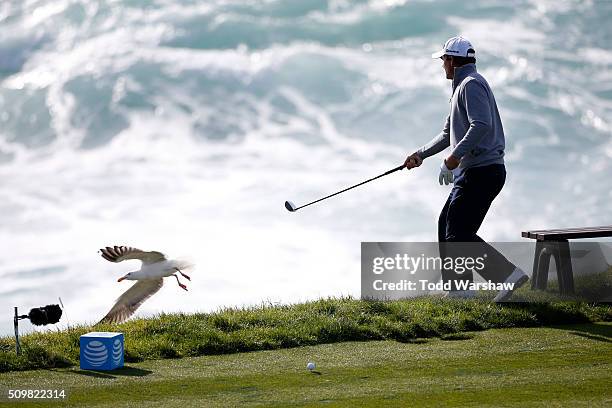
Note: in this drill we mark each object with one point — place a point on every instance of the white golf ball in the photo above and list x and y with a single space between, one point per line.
310 366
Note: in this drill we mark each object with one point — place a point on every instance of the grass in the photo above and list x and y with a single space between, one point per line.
588 288
527 367
268 327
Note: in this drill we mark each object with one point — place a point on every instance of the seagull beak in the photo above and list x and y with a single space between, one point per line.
120 279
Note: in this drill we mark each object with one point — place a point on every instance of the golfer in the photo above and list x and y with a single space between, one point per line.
475 165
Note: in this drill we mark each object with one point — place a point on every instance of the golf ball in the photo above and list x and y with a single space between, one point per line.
310 366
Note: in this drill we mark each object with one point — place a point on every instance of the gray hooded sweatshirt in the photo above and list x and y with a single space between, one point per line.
473 129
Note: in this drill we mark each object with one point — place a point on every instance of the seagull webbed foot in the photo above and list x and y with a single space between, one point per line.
184 275
179 282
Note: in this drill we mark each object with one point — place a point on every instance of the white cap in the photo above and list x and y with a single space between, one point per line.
456 47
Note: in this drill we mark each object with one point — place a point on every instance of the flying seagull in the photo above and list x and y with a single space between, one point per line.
150 278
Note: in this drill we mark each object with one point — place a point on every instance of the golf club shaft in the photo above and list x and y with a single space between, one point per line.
351 187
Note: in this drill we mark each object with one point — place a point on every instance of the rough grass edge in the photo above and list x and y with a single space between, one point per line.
269 327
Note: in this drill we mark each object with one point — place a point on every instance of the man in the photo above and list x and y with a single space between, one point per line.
475 165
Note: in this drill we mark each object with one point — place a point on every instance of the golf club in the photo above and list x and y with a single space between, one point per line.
291 207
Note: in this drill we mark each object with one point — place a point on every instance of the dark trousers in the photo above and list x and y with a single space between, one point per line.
461 217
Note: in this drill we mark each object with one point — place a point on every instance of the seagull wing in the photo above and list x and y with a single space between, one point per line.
121 253
131 300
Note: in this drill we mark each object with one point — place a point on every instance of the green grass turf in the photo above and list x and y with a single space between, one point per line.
275 327
525 367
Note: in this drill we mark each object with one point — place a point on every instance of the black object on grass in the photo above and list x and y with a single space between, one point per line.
39 316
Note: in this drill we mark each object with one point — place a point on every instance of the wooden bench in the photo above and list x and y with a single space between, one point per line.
554 243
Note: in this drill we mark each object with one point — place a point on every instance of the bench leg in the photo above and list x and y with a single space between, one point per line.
541 263
563 262
565 274
534 270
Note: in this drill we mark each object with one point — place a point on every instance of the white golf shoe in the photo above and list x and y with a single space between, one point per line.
519 278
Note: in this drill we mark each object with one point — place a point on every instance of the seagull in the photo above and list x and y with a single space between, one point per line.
155 267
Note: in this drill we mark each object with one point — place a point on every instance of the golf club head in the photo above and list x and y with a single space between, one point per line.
290 206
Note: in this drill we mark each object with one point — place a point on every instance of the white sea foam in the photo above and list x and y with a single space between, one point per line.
184 127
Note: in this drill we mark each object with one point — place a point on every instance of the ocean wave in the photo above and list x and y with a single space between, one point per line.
183 126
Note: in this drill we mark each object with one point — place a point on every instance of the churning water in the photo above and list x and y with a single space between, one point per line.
183 126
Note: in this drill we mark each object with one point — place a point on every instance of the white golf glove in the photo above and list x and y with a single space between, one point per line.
447 176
